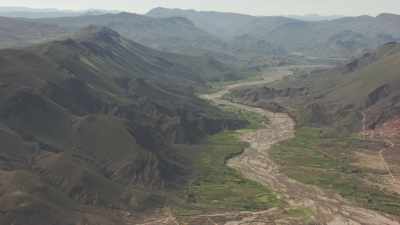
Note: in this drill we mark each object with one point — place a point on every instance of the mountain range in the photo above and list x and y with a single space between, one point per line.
26 12
341 37
228 37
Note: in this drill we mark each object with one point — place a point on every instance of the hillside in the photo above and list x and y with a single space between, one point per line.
368 85
88 127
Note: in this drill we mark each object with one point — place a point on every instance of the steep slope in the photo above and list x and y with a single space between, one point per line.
18 32
366 86
90 123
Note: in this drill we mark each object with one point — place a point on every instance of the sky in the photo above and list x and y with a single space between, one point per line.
253 7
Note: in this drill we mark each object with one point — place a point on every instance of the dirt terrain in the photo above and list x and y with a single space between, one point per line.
387 133
255 164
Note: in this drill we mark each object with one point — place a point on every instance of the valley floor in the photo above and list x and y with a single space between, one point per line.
303 204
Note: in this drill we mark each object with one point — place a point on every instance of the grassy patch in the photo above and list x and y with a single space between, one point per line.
326 162
215 86
218 187
305 214
255 120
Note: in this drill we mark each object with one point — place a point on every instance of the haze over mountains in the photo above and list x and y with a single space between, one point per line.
25 12
340 37
175 34
227 36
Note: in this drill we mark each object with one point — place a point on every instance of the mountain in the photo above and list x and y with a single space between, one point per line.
342 37
88 127
228 37
366 89
19 32
223 25
175 34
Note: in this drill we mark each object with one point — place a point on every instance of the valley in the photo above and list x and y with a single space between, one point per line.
301 203
173 116
256 164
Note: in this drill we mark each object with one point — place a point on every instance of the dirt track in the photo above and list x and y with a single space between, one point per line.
255 164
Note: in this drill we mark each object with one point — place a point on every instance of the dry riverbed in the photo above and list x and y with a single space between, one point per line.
255 164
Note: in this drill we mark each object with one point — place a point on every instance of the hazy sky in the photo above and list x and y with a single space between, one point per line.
256 7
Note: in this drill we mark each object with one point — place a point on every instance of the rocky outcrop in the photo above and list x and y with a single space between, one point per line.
378 94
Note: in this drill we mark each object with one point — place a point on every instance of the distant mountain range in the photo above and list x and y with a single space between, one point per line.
175 34
229 37
25 12
342 37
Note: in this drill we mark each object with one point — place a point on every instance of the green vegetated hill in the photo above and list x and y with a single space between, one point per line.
92 120
339 96
281 35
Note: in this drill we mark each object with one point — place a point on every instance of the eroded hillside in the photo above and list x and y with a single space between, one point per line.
91 121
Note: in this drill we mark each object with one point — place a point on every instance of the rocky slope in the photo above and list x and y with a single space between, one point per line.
339 96
89 122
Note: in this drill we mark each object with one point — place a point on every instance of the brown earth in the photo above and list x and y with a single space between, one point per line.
386 157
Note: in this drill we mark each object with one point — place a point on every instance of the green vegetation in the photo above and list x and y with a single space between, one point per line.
218 187
305 213
215 86
255 120
314 159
